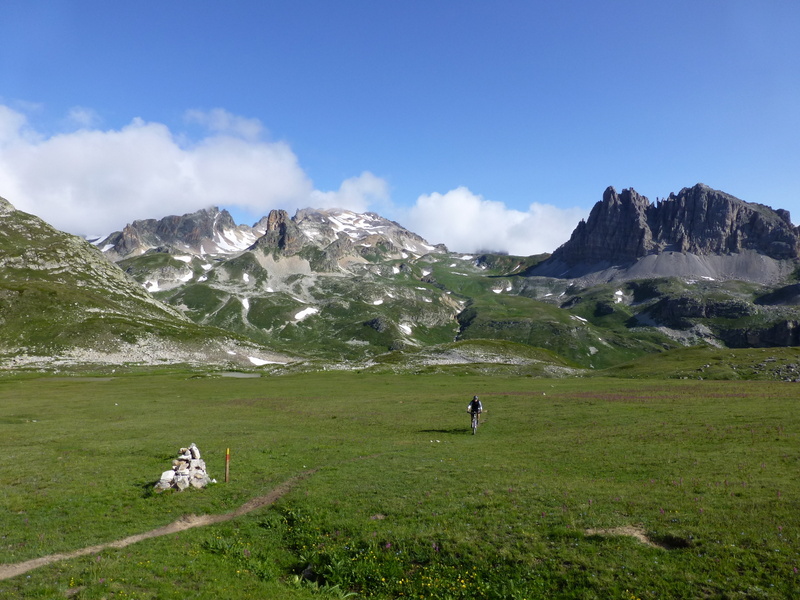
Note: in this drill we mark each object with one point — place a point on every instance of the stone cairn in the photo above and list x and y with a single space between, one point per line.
187 470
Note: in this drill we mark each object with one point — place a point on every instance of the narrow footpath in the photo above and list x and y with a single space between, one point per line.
188 522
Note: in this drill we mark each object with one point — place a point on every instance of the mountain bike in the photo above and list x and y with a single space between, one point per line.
475 422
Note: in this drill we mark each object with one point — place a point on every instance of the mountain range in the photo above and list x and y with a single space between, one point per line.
336 289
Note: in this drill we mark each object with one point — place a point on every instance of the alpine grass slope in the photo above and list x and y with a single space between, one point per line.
62 303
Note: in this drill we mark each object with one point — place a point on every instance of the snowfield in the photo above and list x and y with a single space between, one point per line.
306 312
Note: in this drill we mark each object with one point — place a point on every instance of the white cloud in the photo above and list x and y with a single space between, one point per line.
83 117
358 194
91 181
13 126
221 121
466 222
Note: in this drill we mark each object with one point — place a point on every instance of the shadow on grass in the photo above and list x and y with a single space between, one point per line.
148 488
452 430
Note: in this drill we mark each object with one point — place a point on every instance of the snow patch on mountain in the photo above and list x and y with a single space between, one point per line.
306 312
260 362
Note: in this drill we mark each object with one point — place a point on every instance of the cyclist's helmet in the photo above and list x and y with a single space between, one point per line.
474 397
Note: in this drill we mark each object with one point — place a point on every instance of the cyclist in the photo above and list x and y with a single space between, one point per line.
475 406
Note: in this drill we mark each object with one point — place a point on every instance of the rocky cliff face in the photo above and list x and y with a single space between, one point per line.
705 221
616 231
207 231
626 227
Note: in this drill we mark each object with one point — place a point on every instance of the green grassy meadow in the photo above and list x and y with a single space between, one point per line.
397 498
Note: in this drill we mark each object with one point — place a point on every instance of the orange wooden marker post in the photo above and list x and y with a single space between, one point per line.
227 465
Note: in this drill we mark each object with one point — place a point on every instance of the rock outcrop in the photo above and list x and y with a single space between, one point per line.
782 333
207 231
698 222
282 234
188 470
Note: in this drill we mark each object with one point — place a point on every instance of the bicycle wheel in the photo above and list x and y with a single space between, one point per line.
474 423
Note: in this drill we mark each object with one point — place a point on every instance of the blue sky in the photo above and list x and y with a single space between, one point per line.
478 124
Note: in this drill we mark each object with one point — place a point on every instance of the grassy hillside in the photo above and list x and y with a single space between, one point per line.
408 305
699 363
56 292
572 488
61 300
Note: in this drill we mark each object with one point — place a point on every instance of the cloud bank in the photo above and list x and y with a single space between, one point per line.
466 222
91 181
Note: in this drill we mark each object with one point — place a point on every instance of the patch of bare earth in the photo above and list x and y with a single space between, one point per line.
187 522
629 530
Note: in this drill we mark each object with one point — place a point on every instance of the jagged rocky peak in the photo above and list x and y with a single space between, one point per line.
616 230
281 233
697 222
206 231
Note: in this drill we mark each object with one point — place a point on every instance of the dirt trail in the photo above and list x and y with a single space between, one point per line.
188 522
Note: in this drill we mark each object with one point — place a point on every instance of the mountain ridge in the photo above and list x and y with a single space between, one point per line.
699 231
339 289
212 231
